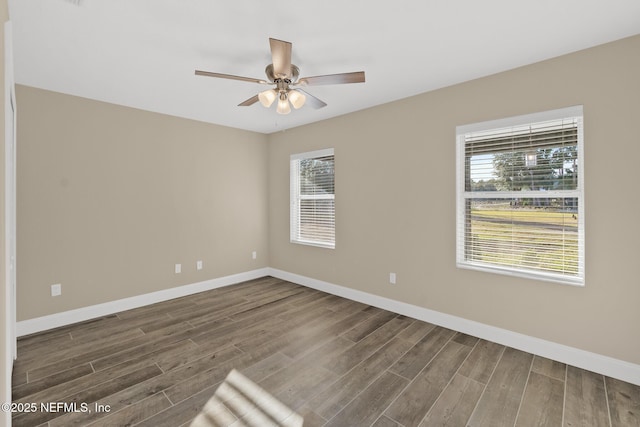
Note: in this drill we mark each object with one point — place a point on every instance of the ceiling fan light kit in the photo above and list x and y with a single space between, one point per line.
284 75
283 105
267 97
296 98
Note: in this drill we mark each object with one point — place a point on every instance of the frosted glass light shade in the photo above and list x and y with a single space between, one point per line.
297 98
267 97
283 105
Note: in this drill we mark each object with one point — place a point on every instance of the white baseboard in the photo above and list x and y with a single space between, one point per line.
39 324
594 362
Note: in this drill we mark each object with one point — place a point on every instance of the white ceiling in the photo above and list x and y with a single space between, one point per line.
143 53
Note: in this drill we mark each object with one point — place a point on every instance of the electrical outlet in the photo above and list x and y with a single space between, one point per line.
56 290
178 268
198 265
392 278
254 254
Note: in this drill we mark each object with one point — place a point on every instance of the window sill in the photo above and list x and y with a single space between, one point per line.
546 277
312 243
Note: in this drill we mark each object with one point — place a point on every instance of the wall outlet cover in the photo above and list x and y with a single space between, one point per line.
56 290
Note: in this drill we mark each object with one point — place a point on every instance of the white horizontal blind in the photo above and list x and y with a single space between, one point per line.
313 198
520 198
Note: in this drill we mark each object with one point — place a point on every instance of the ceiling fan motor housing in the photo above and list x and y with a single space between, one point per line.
292 78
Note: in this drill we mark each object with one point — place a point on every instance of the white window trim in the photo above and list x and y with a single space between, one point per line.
294 188
461 262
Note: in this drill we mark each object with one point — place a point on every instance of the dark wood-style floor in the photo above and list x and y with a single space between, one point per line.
334 361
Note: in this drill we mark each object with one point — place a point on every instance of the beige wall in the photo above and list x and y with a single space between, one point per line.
395 201
5 358
110 198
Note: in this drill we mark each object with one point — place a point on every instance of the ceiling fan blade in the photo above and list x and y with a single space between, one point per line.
312 101
249 101
229 76
280 58
333 79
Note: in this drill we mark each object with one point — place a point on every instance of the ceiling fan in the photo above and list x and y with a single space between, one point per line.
284 75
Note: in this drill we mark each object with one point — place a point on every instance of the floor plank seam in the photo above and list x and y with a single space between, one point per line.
426 415
383 414
167 397
409 382
564 396
160 367
524 391
373 380
606 397
493 371
425 366
372 353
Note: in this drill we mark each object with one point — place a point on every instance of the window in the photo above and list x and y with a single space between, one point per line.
312 198
520 196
